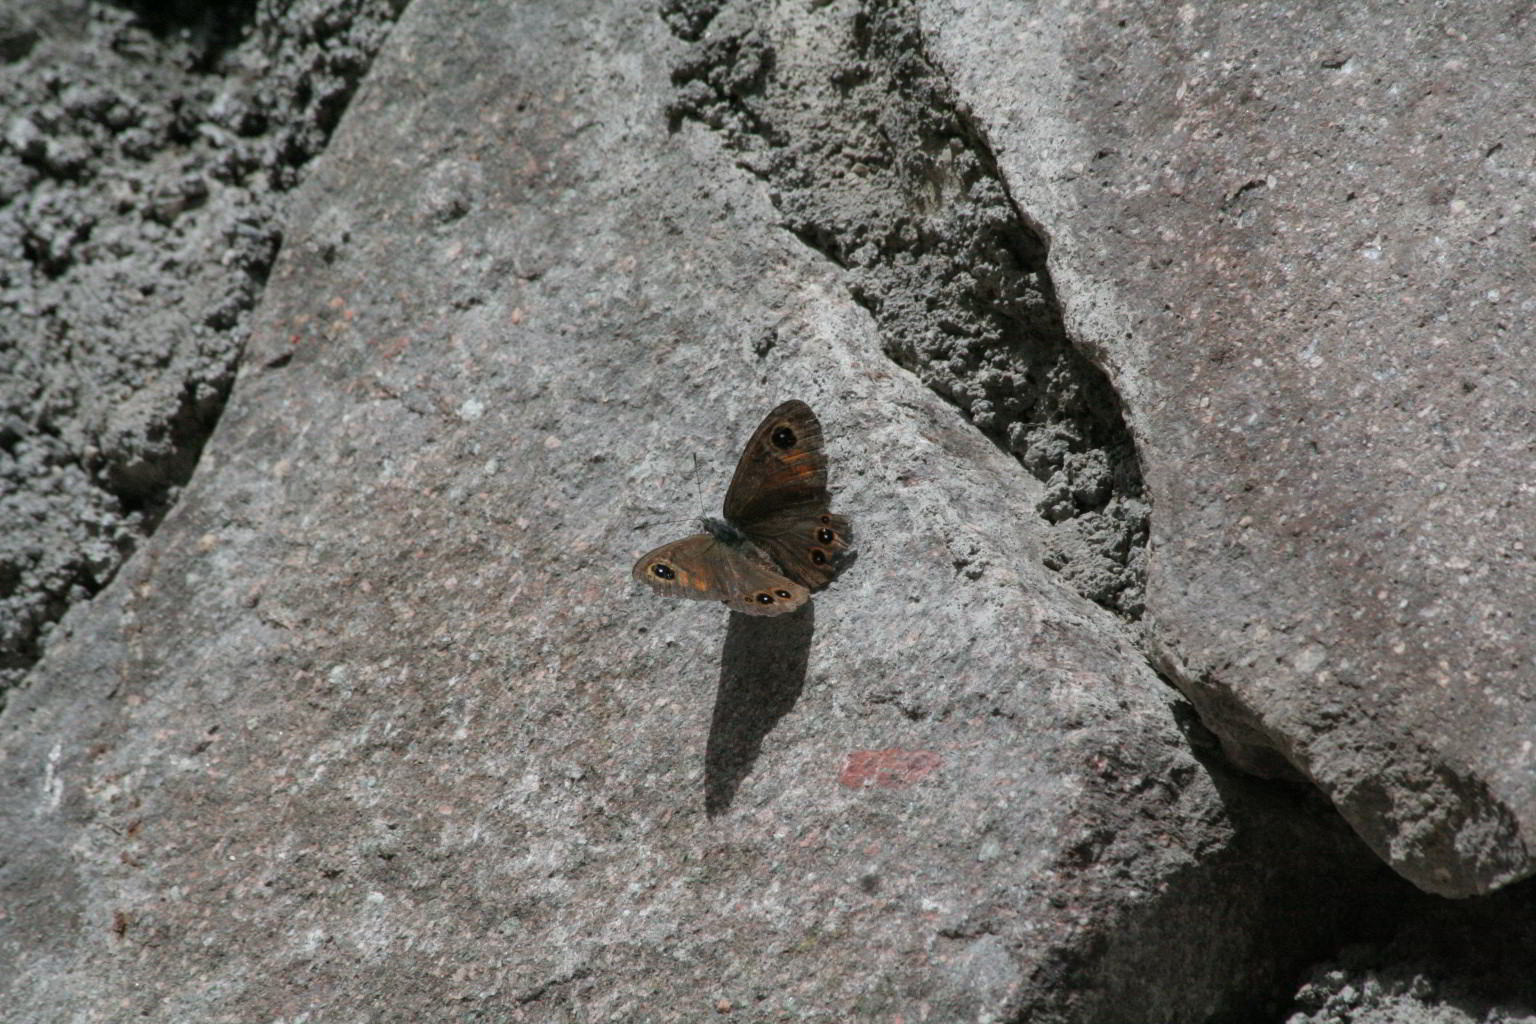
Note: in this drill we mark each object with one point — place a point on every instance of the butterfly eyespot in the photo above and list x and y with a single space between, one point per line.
825 535
663 570
783 594
826 520
818 556
765 598
783 437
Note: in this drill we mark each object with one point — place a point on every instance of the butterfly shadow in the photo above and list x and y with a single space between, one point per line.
762 671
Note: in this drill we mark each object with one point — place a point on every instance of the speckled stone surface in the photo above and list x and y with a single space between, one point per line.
1299 240
376 727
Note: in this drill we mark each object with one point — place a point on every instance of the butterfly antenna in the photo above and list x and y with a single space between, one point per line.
662 522
698 495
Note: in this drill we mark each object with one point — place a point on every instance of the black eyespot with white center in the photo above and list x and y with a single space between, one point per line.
664 571
782 594
825 535
783 437
818 556
765 598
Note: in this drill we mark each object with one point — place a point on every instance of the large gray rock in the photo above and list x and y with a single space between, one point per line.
375 725
1298 238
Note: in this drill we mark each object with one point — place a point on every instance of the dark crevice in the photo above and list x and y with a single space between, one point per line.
880 172
147 487
1332 931
209 28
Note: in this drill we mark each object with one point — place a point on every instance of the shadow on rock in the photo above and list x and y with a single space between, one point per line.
762 671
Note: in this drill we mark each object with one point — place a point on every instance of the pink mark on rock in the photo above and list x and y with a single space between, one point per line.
889 769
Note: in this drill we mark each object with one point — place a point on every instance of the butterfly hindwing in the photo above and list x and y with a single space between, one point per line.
705 569
807 541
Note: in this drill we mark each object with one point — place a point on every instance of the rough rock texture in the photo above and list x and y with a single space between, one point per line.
1299 239
142 166
869 160
1336 995
374 726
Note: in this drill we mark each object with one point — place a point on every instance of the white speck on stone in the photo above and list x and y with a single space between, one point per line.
53 786
472 409
1310 658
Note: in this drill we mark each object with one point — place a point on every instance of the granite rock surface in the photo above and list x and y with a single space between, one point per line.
374 725
1298 240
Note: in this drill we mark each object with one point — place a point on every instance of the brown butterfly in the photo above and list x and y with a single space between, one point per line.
777 542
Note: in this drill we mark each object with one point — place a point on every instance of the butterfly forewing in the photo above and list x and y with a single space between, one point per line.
778 497
783 465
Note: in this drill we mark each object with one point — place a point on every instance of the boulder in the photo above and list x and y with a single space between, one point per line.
1296 239
376 724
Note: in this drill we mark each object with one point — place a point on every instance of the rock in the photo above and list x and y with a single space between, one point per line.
126 274
376 725
1440 966
375 722
1289 235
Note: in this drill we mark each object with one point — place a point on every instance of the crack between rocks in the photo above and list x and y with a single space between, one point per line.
939 252
995 347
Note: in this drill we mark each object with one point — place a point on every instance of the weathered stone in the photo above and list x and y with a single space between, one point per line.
1297 237
376 727
375 724
143 161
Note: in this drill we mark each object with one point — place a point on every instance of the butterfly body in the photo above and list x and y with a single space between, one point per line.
777 540
723 531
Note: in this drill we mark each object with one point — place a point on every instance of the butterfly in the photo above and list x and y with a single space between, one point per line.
777 541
